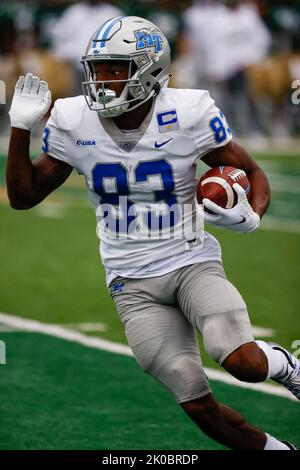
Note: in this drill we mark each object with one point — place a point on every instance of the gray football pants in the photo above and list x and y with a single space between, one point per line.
161 314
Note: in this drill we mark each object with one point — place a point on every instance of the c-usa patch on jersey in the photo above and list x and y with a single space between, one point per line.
167 121
86 142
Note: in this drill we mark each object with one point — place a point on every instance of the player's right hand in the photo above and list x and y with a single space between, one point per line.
240 218
30 103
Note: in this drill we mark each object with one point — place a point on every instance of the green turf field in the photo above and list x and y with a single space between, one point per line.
57 394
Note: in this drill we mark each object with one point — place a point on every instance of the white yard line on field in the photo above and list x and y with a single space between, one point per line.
7 329
86 326
261 332
58 331
51 209
280 224
284 183
63 333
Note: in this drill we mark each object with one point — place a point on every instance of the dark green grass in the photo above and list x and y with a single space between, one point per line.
60 395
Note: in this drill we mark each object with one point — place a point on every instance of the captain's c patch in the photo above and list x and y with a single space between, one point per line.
167 121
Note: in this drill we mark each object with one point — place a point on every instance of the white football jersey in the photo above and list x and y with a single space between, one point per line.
153 169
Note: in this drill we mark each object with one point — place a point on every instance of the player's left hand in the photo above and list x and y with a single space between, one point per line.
241 218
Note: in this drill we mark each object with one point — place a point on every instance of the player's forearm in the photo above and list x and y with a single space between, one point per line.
19 170
236 156
30 103
260 191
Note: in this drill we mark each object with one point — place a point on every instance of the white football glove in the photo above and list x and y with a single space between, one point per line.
30 103
241 218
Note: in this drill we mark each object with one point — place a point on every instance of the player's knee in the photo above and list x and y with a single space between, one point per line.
179 366
247 364
180 370
182 375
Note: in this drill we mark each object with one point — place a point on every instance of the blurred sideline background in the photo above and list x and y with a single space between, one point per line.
57 394
246 52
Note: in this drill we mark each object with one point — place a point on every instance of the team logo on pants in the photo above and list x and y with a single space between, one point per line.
117 287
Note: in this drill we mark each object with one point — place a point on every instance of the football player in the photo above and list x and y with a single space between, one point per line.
137 143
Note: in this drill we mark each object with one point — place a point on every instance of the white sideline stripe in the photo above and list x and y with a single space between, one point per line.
7 329
51 209
278 187
105 345
261 332
86 326
57 331
278 224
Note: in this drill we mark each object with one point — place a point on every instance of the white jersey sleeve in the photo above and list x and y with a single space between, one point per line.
66 120
210 126
54 138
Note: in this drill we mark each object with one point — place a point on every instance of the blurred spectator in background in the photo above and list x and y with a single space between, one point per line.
225 39
20 53
270 82
246 52
167 15
8 65
41 62
73 29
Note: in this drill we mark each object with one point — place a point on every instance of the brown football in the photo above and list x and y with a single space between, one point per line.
216 185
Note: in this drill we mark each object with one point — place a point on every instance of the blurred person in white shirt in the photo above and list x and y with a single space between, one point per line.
225 38
78 22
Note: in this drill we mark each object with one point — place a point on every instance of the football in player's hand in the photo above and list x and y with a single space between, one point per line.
216 185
